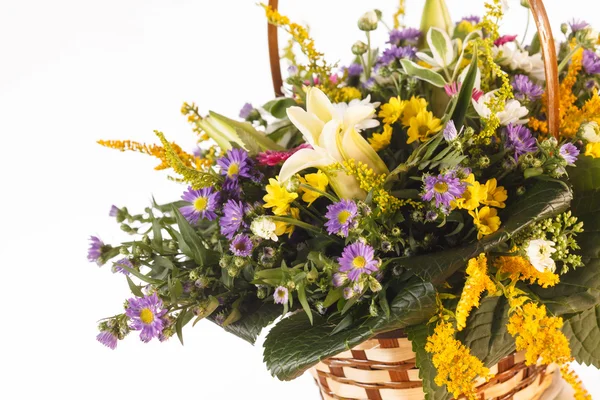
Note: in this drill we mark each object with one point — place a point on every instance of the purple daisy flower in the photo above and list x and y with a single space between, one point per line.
203 204
354 69
474 19
114 211
519 139
369 84
281 295
569 153
231 190
450 133
146 316
577 25
235 163
233 218
431 216
396 53
348 293
591 62
241 246
246 110
357 259
408 35
118 266
341 217
108 339
444 188
339 279
95 250
525 89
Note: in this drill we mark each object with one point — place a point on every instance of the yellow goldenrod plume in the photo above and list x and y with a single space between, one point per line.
154 150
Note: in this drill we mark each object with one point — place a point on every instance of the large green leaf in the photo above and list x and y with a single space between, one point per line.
418 335
585 176
252 138
583 332
278 107
425 74
190 243
466 92
543 200
253 321
294 345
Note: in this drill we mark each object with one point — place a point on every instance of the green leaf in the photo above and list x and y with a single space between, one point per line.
254 320
135 289
463 100
139 275
278 107
583 332
585 176
440 46
294 345
425 74
302 298
418 335
190 242
183 318
252 138
544 200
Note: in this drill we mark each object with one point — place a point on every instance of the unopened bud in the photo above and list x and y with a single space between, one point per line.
368 21
359 48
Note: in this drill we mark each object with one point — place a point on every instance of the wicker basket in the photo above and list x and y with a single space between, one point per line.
383 368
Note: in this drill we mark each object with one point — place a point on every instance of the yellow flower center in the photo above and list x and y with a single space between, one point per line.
200 203
343 217
423 131
359 262
440 187
233 169
146 315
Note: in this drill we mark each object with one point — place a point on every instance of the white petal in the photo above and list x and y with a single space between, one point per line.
318 103
330 139
308 124
346 186
354 146
356 114
428 59
302 159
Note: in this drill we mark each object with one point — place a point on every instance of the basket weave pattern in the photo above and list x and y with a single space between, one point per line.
384 369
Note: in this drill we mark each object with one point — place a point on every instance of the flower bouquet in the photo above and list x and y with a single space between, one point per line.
438 197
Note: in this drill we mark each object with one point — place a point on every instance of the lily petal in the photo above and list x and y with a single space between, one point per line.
308 124
302 159
356 147
346 186
356 114
330 139
318 104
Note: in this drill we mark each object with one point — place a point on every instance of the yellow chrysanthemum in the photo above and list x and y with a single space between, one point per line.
477 282
486 220
380 141
423 126
392 110
456 367
465 27
521 269
344 94
475 194
592 150
317 180
495 195
278 197
281 228
412 108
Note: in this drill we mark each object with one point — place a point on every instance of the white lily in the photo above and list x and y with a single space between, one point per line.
513 113
333 132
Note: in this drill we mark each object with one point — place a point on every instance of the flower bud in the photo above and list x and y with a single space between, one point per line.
374 284
590 131
564 28
261 292
521 190
525 3
368 21
359 48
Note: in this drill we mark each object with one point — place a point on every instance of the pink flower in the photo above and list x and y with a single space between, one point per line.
272 157
333 78
476 94
504 39
452 88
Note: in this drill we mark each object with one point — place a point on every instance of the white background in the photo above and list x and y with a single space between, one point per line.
72 72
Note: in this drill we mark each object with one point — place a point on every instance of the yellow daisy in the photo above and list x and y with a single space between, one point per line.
392 110
412 108
496 195
380 141
592 150
278 197
475 194
281 228
318 181
486 220
423 126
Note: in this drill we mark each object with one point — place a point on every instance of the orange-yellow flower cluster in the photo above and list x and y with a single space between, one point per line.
421 124
456 367
519 268
477 282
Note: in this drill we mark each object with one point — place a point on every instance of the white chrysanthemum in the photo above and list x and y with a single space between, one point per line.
590 132
517 59
513 113
367 123
539 252
264 227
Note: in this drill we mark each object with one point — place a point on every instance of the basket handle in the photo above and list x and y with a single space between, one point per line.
546 41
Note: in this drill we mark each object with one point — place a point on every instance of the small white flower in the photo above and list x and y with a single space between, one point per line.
590 132
264 227
505 6
539 252
517 59
367 123
513 111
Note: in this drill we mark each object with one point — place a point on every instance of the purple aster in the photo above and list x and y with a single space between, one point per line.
577 25
395 53
146 316
95 250
108 339
369 84
220 318
118 266
569 153
354 69
339 279
231 190
246 110
233 218
235 163
348 293
519 139
114 210
450 133
525 89
341 217
292 70
203 204
474 19
591 62
241 246
408 35
444 188
357 259
281 295
431 216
